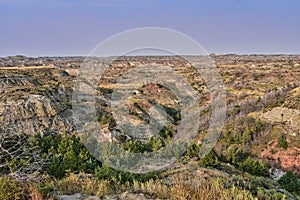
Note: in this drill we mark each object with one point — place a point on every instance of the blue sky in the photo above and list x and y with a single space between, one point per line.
74 27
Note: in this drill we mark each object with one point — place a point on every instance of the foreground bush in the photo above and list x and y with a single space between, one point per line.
254 167
290 182
66 153
10 189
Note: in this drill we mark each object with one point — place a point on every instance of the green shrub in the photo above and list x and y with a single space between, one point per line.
211 159
282 142
235 155
192 151
119 177
247 135
254 167
156 143
136 146
66 153
290 182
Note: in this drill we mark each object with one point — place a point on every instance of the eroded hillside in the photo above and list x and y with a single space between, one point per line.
262 97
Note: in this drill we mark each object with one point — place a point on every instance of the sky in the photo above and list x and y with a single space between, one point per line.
75 27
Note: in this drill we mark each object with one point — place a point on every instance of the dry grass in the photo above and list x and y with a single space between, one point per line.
35 193
83 184
187 188
153 188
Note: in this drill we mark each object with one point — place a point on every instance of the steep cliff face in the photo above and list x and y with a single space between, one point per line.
36 100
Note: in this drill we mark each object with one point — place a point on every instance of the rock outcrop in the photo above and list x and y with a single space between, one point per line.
35 100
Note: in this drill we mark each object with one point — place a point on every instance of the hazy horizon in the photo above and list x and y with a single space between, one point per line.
62 56
73 28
